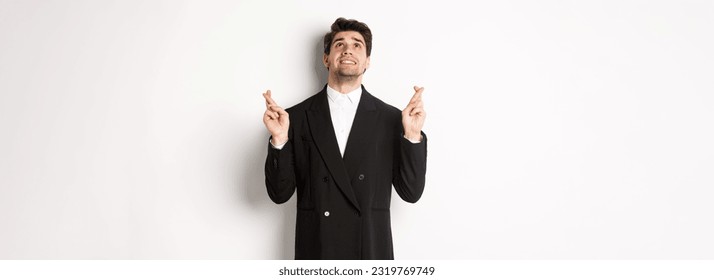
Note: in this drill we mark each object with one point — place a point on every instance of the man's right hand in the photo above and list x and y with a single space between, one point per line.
276 120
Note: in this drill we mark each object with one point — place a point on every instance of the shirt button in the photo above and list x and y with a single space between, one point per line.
327 213
361 177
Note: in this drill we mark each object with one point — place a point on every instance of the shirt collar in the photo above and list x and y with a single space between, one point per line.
353 96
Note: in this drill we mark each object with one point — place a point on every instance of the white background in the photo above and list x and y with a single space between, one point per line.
557 129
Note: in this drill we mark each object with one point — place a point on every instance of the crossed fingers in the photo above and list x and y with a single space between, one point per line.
416 105
273 111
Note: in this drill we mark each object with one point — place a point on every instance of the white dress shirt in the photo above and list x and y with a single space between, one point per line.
343 108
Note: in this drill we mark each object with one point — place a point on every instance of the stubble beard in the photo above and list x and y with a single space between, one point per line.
348 75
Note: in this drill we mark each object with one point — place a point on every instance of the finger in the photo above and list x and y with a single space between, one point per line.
417 94
269 102
266 94
282 112
267 116
414 98
268 98
417 111
271 115
275 108
414 103
409 108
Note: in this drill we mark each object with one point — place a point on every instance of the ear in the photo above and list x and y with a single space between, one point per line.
366 65
324 61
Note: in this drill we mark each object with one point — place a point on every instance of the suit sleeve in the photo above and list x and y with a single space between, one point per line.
410 169
280 173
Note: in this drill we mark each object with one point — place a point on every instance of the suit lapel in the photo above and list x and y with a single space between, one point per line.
323 133
362 135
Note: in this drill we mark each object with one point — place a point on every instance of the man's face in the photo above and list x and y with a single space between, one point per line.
348 55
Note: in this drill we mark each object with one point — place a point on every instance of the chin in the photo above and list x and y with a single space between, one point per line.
349 73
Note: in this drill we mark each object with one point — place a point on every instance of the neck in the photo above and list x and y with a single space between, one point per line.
344 84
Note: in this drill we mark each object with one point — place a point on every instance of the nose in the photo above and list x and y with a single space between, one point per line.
347 50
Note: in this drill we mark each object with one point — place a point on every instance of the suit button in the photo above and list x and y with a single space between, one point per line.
327 213
361 177
325 179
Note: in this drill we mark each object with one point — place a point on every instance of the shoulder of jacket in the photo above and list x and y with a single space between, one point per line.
384 106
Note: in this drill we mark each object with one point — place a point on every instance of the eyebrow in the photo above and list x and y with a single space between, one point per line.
342 39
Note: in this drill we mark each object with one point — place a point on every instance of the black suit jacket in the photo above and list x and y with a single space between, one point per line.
343 203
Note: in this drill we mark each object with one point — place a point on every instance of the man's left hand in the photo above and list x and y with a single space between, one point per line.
413 116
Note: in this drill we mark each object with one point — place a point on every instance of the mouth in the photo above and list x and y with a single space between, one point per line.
348 62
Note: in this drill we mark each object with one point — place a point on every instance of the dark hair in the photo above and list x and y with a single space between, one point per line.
342 24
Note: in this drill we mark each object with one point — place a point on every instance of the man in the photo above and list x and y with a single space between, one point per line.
343 149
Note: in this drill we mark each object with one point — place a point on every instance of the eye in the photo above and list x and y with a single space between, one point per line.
357 45
338 45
